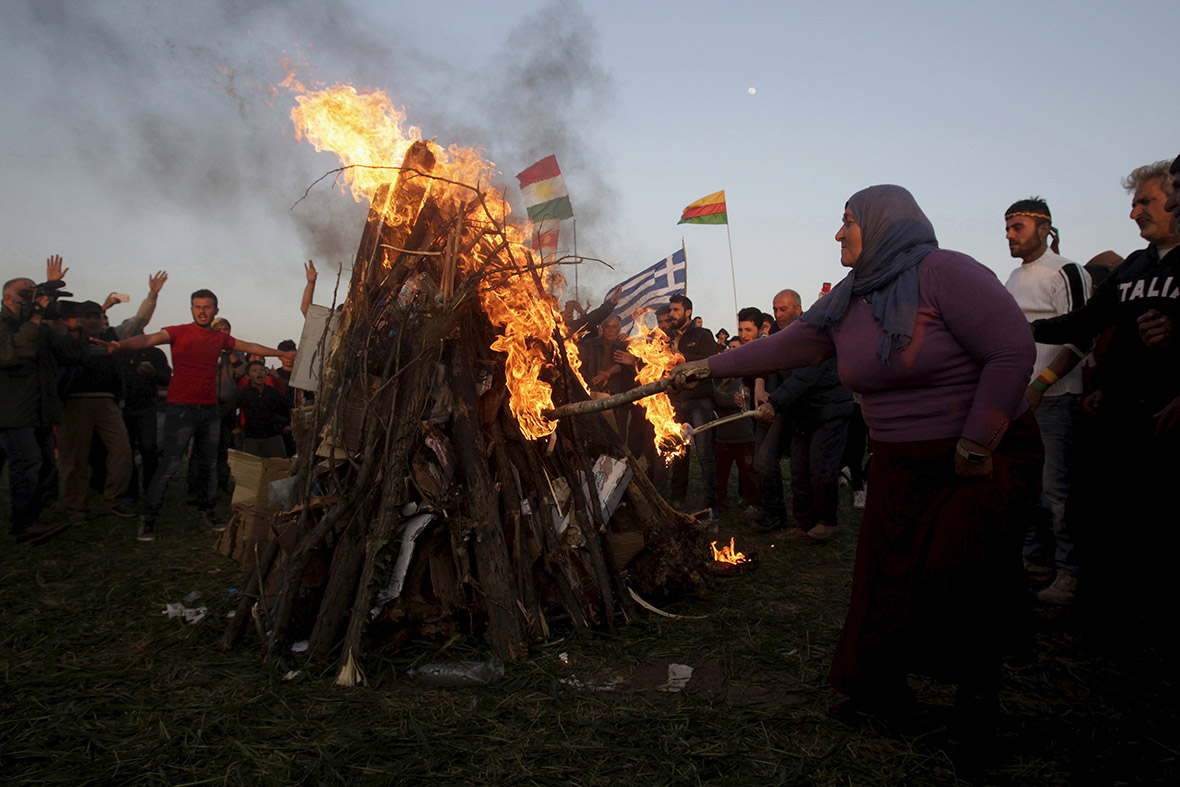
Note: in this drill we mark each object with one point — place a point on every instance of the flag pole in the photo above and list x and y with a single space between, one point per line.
732 272
685 252
577 297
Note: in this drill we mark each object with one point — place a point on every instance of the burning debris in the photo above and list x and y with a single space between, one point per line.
729 562
436 492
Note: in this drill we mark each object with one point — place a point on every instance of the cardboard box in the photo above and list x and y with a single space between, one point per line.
252 478
251 505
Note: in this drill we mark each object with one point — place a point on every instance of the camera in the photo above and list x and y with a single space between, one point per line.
53 290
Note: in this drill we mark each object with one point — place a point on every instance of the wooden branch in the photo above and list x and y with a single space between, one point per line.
620 399
505 628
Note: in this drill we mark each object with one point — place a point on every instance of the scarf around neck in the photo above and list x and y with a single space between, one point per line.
896 236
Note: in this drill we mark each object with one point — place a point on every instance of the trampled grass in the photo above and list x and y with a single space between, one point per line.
100 687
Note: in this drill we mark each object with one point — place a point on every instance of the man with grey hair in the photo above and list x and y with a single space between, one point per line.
772 439
31 350
1127 475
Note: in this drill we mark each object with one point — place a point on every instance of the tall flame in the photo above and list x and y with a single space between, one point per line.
651 346
371 137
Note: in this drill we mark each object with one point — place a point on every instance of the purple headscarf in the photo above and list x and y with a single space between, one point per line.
896 235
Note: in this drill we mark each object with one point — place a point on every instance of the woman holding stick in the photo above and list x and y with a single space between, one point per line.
941 355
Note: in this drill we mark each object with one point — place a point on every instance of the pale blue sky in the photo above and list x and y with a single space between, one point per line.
127 148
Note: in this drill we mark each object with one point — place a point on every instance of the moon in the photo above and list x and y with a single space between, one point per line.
751 91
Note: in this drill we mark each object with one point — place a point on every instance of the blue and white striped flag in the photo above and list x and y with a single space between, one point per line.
651 288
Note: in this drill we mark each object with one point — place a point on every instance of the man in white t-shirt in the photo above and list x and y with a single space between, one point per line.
1048 285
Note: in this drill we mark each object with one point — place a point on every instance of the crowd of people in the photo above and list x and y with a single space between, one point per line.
89 406
1020 433
1000 437
994 434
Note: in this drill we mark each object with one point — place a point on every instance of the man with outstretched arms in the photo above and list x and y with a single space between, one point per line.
192 411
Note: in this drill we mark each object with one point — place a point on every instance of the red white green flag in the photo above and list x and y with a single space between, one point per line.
544 192
706 210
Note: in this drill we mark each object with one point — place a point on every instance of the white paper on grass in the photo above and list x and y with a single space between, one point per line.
314 345
190 615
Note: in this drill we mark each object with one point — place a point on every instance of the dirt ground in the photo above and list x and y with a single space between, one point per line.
99 686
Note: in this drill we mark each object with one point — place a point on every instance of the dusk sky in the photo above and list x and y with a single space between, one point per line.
144 135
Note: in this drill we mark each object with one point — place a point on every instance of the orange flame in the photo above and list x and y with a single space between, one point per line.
728 554
371 137
651 346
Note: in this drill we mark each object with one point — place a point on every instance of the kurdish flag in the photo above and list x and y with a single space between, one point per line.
544 239
544 191
706 210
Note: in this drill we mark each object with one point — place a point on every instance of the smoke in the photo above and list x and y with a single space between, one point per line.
172 104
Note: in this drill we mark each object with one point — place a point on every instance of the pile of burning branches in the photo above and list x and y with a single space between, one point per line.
433 495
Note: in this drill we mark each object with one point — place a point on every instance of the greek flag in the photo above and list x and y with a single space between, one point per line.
651 288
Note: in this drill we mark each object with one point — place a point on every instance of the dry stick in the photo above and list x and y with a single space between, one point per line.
620 399
510 499
593 536
552 561
342 574
294 574
588 501
505 627
233 629
298 560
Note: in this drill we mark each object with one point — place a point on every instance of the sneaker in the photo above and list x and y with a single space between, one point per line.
1036 572
858 498
147 529
209 523
1062 590
822 532
122 510
41 532
766 524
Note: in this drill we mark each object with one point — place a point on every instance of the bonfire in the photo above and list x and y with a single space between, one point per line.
436 491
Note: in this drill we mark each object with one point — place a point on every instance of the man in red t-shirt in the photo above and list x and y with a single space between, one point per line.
192 411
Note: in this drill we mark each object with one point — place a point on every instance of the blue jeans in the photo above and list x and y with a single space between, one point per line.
1057 419
28 451
182 422
141 431
696 412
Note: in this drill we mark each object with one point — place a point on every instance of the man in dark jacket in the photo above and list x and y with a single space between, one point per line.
31 350
265 414
92 408
1128 469
817 407
772 439
693 406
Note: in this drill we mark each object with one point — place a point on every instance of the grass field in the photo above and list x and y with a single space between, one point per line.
100 687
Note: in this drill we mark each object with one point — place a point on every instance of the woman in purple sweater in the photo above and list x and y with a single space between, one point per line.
941 355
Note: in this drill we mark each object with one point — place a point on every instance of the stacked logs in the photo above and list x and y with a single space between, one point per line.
421 510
